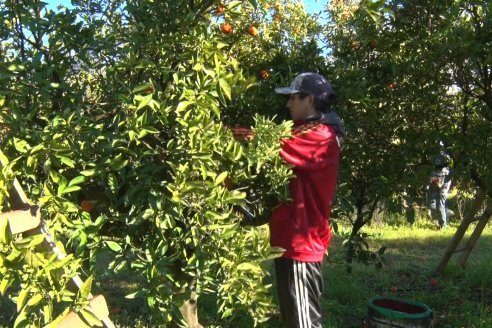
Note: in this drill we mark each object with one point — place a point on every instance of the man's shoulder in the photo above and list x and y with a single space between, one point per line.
312 127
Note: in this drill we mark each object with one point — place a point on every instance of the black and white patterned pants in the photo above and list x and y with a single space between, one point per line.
299 286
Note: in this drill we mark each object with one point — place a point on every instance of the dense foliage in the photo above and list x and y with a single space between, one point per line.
115 118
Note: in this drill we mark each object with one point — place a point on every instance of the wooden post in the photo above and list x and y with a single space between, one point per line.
17 197
97 305
458 236
482 223
22 220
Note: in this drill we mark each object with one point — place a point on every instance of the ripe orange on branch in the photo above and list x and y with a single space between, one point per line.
253 31
86 205
264 74
226 28
219 10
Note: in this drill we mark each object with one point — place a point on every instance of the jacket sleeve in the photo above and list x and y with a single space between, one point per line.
311 150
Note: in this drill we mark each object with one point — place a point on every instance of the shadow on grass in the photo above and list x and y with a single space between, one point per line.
461 297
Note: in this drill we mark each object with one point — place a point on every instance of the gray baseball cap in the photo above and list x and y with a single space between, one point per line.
310 83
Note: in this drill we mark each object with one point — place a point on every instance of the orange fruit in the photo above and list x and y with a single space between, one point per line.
86 205
391 86
264 74
434 282
226 28
253 31
219 10
373 44
394 290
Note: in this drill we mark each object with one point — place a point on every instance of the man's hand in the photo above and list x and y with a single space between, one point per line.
242 134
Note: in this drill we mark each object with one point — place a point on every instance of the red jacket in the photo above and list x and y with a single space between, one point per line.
302 226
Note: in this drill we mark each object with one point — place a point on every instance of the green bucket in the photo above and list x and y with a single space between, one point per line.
393 312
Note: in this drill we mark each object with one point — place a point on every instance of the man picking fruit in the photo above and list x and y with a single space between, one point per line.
302 226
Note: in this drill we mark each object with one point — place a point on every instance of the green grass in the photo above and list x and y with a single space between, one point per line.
461 298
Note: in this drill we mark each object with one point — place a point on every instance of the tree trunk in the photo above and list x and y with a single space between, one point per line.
458 236
482 222
190 311
356 226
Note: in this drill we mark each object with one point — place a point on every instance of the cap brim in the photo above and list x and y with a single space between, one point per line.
286 91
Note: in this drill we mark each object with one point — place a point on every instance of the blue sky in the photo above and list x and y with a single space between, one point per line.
312 6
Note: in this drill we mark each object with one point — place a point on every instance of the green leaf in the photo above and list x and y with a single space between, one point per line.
68 190
21 145
375 15
203 170
225 88
234 4
238 152
236 198
212 215
88 317
55 323
5 233
77 180
22 298
227 313
113 183
139 293
183 105
85 289
249 266
142 87
275 252
253 3
144 102
67 161
220 178
3 159
20 321
4 284
36 148
88 173
114 246
48 311
35 300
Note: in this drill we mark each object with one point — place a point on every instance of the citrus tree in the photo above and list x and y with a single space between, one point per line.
115 119
409 74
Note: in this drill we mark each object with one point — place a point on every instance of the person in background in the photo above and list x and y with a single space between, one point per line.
438 188
302 226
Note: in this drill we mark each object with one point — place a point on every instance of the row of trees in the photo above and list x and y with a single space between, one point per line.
411 74
115 118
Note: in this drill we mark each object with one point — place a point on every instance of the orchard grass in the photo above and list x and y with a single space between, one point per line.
458 298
